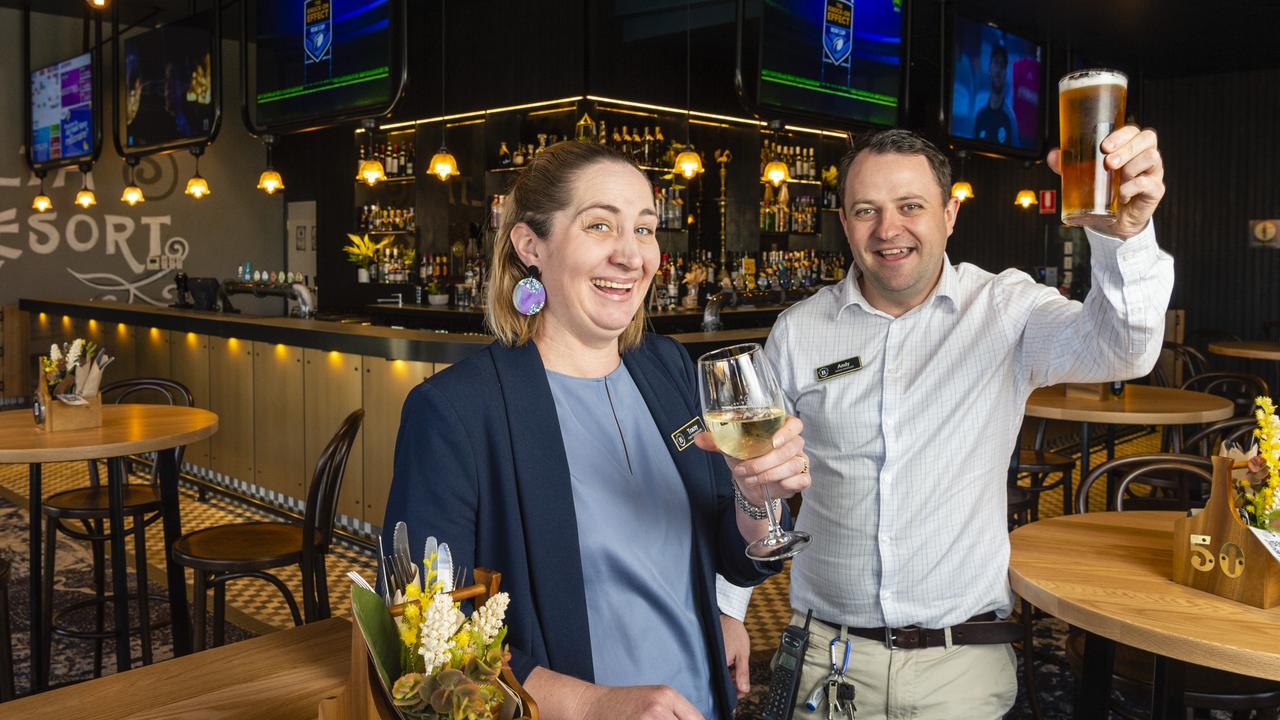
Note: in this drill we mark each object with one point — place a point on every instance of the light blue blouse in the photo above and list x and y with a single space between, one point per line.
635 536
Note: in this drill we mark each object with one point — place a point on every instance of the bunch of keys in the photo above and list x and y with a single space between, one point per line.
839 689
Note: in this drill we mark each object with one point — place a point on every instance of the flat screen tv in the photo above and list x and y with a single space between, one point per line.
838 59
324 59
62 111
997 85
168 83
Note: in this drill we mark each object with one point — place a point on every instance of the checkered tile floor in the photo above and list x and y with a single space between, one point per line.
251 604
257 607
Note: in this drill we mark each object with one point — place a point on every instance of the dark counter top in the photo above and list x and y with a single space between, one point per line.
349 337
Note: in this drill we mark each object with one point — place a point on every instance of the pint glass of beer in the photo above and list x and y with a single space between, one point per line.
1090 107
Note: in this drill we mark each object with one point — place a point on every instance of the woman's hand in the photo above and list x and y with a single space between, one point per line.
785 468
737 652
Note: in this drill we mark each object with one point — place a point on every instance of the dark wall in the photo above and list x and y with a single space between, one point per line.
1219 140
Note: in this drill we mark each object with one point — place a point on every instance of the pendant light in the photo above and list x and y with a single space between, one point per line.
776 172
1026 198
197 186
961 189
688 163
443 164
41 202
270 181
85 198
132 194
370 169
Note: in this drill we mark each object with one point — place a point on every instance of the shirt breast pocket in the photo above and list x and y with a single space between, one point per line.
842 414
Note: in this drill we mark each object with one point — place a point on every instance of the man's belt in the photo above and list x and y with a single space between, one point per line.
982 629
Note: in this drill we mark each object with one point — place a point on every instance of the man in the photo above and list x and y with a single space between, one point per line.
910 428
994 123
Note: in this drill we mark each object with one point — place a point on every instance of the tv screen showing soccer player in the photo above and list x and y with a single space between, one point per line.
320 59
837 59
996 87
62 111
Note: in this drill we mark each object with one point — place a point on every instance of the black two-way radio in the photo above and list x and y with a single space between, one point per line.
781 700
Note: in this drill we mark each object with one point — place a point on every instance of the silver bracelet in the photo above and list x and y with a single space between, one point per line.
755 512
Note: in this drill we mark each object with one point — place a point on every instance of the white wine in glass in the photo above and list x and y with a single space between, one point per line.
742 407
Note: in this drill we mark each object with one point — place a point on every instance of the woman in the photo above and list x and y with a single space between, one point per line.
549 457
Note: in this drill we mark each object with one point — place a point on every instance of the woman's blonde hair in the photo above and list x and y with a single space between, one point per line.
544 188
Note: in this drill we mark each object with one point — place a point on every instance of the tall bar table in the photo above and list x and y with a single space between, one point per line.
1139 405
126 429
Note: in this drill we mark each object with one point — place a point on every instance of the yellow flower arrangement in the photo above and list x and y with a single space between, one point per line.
1259 493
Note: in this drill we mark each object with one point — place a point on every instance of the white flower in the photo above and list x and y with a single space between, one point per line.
440 620
487 619
55 353
73 355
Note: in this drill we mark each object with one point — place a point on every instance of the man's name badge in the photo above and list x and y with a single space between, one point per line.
683 437
836 369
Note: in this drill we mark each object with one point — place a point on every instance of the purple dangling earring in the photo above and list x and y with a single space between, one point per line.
530 295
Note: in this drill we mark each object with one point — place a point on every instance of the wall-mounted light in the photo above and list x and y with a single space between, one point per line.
41 202
1026 198
132 193
85 197
370 170
197 186
270 181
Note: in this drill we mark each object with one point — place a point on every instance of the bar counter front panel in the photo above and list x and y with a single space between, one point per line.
281 386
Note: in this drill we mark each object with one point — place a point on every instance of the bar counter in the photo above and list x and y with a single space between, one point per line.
281 386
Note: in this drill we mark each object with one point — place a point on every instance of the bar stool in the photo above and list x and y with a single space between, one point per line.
6 638
223 553
90 507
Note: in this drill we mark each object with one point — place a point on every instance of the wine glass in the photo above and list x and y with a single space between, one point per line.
742 407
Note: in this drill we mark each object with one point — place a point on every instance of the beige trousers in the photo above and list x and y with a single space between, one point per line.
962 681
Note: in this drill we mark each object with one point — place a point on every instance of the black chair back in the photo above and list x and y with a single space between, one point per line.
1187 362
1158 470
1236 430
1239 388
155 390
322 507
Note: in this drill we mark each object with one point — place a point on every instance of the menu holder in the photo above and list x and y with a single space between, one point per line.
365 696
1092 391
54 415
1216 552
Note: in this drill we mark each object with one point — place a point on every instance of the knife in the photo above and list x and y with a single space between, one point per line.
401 549
444 567
427 562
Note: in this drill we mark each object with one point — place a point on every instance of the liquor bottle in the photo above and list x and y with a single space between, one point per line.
661 150
517 158
402 164
408 168
602 135
624 141
648 145
504 155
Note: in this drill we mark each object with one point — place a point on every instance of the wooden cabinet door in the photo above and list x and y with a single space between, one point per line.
231 390
386 384
189 365
279 455
332 389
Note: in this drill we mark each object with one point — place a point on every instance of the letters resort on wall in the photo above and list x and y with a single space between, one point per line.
579 359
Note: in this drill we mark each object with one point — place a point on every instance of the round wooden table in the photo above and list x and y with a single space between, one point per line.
1108 573
1251 349
126 429
1139 405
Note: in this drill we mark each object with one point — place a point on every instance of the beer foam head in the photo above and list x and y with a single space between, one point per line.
1087 78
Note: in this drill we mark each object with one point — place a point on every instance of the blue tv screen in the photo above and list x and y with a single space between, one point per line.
168 78
838 59
996 87
322 58
62 111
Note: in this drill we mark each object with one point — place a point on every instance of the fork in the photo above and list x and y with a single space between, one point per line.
359 580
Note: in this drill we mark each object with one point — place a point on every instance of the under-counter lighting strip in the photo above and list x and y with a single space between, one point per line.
597 98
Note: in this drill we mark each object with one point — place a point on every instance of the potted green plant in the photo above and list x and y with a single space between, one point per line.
436 292
362 252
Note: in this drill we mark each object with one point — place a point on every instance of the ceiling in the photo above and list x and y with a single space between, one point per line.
1160 38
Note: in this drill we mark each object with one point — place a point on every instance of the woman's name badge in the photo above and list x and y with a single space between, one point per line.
683 437
836 369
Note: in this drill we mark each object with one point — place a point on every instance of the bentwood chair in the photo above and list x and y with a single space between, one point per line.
1239 388
1187 363
1132 669
90 508
224 553
1236 430
1038 465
